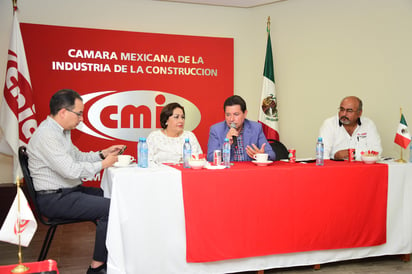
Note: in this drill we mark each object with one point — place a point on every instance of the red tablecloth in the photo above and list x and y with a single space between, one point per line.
44 267
250 211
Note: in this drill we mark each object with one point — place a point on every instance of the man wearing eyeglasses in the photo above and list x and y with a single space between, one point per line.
349 129
57 166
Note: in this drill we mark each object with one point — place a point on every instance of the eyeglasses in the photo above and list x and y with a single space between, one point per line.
79 114
348 110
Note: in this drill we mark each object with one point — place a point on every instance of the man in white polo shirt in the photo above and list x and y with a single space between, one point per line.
349 130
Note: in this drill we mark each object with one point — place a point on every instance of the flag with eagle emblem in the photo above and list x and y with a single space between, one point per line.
268 114
403 138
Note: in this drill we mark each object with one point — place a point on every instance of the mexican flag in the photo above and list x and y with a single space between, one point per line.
403 138
268 111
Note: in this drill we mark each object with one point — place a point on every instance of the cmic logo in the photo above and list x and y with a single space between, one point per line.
129 115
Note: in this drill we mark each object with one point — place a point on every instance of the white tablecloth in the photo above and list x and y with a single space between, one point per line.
146 232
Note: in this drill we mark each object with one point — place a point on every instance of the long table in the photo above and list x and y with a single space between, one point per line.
252 211
147 229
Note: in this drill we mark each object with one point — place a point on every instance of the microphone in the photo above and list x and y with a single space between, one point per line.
234 138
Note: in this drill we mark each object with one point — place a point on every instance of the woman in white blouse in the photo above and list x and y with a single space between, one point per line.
166 144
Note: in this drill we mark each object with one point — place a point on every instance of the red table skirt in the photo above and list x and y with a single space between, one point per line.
250 211
44 267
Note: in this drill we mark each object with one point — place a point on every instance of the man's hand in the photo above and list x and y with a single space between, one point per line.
252 150
341 155
110 155
232 132
113 150
109 161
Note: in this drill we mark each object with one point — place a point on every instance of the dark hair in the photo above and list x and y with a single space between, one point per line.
235 100
64 98
167 111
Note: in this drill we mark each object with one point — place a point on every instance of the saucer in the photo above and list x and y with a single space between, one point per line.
209 166
265 163
117 164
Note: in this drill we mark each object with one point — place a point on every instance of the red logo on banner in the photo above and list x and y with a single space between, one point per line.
17 93
23 225
129 115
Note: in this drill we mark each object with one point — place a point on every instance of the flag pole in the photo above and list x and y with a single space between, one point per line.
20 268
401 160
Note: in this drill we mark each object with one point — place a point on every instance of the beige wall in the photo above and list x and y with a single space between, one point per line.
323 51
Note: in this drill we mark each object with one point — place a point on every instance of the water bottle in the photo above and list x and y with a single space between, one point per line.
410 152
144 154
187 153
226 153
139 147
319 152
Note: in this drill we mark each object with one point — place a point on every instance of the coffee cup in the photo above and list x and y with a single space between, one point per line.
125 159
261 157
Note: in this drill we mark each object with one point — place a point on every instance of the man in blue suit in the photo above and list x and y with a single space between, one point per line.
246 137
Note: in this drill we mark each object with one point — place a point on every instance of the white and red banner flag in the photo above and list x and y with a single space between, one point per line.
11 229
268 113
17 112
402 137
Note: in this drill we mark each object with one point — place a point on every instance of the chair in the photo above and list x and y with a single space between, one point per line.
52 223
279 148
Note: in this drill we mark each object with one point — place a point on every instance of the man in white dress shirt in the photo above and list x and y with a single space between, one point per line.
56 167
349 130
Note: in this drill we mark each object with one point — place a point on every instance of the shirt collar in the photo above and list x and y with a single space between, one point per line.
55 124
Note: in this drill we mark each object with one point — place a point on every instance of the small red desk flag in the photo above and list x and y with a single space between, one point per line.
11 229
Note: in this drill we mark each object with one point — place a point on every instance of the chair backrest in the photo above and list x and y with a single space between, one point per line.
24 164
279 148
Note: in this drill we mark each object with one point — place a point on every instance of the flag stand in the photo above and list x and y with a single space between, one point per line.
401 160
20 268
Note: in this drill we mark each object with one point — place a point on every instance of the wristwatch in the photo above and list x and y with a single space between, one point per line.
101 155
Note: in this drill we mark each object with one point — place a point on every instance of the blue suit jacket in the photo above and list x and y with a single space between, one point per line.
252 134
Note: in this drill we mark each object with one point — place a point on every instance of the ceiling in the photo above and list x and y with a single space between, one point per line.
228 3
